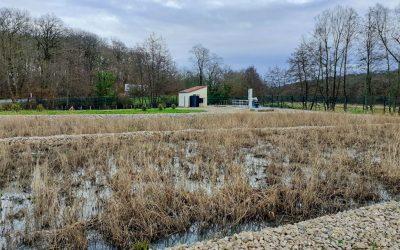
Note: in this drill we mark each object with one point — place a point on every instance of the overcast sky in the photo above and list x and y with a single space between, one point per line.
243 32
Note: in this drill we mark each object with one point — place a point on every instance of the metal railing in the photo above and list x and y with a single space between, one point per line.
240 103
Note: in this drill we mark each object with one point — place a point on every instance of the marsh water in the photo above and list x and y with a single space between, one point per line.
17 205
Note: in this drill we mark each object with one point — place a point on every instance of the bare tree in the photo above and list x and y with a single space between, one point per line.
276 77
368 52
314 68
338 27
350 32
48 31
120 62
387 24
252 79
322 35
301 68
14 26
89 46
119 50
334 32
214 71
159 67
201 58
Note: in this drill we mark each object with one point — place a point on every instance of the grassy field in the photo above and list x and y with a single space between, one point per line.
351 108
233 169
102 112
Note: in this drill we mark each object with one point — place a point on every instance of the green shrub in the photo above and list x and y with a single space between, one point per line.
105 84
144 107
16 107
160 106
6 107
124 101
141 245
173 106
40 108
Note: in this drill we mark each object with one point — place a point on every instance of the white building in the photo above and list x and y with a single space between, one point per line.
193 97
129 87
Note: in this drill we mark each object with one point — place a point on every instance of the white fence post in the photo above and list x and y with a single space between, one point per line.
250 98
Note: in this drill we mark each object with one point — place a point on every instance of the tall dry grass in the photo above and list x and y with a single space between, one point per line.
160 184
24 126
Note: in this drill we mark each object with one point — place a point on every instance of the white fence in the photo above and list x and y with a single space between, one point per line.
240 103
6 101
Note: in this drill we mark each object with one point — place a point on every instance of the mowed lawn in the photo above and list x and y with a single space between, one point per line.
103 112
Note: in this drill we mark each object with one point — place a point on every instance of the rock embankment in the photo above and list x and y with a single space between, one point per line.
374 227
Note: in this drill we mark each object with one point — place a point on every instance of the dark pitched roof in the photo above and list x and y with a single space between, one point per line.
193 89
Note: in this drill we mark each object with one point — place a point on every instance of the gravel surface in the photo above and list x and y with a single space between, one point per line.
374 227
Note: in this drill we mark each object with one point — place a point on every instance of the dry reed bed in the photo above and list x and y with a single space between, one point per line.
61 139
157 184
27 126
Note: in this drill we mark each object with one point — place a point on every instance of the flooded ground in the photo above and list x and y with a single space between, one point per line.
17 210
181 189
196 234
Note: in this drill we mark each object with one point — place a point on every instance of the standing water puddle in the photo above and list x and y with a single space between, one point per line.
195 234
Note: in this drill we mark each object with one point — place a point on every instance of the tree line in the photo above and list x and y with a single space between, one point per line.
341 45
42 58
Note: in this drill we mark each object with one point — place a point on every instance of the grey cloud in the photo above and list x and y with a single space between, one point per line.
243 32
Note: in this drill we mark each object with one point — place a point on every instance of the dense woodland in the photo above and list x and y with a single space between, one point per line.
42 58
345 56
